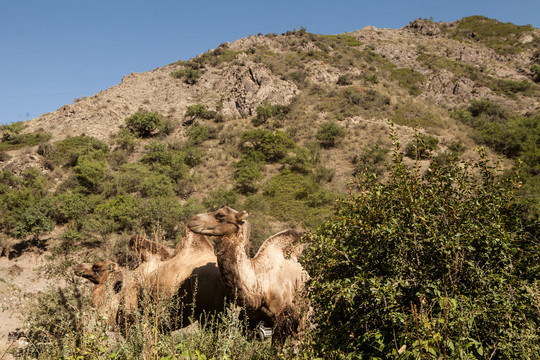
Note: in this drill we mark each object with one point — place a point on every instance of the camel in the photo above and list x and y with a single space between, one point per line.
108 279
267 284
190 279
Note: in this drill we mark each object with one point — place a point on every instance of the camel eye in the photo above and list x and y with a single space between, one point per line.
220 217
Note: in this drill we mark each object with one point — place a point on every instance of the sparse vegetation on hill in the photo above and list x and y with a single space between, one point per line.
428 255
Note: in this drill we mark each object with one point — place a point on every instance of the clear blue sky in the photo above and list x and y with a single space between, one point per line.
54 51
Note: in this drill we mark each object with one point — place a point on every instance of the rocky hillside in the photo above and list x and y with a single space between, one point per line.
325 101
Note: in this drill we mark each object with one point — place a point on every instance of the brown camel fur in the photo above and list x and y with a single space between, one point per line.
108 279
190 275
267 284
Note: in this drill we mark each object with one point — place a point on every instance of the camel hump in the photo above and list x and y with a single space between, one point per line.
286 242
146 248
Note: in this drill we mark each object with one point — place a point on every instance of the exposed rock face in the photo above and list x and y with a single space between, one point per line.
253 85
424 27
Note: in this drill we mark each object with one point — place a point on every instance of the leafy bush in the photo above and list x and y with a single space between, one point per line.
189 74
198 111
144 124
504 38
13 141
68 151
422 146
248 172
34 220
273 145
297 198
200 133
90 173
425 266
535 68
117 214
264 112
409 79
370 160
329 134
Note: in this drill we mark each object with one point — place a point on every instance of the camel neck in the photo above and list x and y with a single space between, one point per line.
236 267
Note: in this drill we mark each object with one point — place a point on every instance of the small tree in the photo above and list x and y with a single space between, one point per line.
330 134
264 112
144 124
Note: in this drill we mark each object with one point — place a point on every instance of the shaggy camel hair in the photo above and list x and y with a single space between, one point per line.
191 275
268 284
108 279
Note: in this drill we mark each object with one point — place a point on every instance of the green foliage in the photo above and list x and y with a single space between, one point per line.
371 160
264 112
188 74
422 146
200 133
68 151
14 128
504 38
248 171
330 134
221 197
347 40
514 136
118 214
144 124
34 220
535 68
274 145
425 266
126 140
297 198
90 173
409 79
12 140
198 111
173 162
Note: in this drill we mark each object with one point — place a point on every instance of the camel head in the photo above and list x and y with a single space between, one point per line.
222 222
100 273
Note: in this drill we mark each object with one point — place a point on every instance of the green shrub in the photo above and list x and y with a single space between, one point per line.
13 141
15 127
422 146
409 79
198 111
504 38
264 112
330 134
144 124
126 140
90 173
200 133
190 75
118 214
248 173
34 220
221 197
68 151
371 160
273 145
425 266
535 68
297 198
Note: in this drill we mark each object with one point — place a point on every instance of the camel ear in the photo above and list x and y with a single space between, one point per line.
242 215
